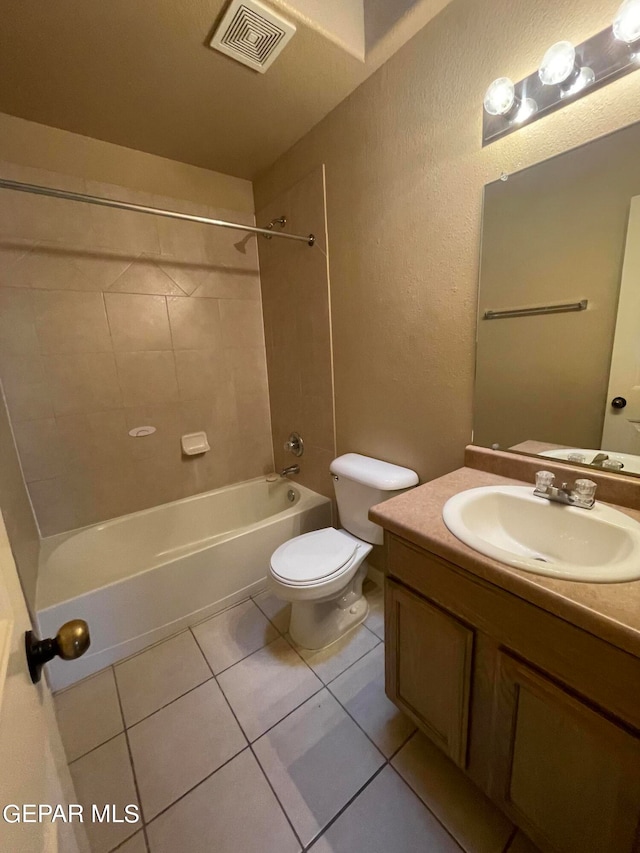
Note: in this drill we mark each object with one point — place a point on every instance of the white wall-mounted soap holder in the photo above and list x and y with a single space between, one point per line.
194 443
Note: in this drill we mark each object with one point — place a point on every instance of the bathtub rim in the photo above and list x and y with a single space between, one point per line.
44 597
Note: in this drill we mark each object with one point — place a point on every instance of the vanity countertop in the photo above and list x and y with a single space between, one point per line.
609 611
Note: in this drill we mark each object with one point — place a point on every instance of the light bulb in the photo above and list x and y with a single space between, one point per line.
500 97
626 26
558 64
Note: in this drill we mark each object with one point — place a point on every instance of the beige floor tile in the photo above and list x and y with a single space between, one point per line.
521 844
136 844
361 690
105 776
234 811
88 714
330 662
316 760
375 619
268 685
156 677
386 817
176 748
477 825
230 636
275 609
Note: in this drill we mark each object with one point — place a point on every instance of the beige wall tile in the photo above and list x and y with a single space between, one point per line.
200 372
117 229
48 266
188 275
147 377
40 449
195 323
317 422
16 510
29 402
138 322
17 329
18 370
87 384
69 322
12 251
241 323
54 505
231 284
145 276
94 439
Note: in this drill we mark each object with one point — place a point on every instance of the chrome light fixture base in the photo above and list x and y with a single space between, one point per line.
599 60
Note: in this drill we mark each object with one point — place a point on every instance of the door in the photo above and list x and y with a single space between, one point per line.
622 414
33 767
428 662
563 772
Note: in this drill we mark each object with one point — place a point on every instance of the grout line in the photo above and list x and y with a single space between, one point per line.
131 764
284 811
344 807
166 705
93 748
255 756
288 714
403 744
427 807
193 787
357 660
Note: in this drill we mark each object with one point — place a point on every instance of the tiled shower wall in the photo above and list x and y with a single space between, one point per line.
296 303
111 320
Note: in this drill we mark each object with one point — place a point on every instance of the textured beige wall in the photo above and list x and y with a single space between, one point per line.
405 172
27 143
295 299
16 510
111 320
554 233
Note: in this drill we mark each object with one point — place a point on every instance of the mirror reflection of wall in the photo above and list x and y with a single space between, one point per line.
552 234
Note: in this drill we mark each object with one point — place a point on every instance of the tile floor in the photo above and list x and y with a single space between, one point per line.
233 740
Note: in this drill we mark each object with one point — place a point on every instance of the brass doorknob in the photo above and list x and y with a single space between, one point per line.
71 642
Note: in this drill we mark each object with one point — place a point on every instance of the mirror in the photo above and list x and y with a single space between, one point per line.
558 335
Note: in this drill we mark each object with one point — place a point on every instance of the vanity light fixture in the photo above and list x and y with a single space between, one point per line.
559 67
500 100
626 27
567 72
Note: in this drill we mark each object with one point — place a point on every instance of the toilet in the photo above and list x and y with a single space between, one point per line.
321 573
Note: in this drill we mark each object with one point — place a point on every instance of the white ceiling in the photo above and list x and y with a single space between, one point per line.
140 73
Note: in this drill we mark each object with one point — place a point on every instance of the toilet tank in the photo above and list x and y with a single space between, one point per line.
361 482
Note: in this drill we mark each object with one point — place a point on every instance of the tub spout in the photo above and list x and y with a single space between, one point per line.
292 469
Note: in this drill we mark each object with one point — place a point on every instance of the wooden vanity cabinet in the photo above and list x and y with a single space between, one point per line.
543 716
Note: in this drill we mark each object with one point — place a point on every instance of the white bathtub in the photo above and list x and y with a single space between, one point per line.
142 577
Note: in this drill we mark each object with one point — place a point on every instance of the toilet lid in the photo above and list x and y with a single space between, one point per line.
313 556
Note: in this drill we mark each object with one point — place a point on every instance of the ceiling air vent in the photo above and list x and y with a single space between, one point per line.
252 33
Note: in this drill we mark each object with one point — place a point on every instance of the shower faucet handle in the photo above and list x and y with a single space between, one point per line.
294 444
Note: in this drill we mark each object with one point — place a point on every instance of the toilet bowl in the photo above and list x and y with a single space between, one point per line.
321 573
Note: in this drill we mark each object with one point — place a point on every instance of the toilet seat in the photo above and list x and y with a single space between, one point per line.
314 558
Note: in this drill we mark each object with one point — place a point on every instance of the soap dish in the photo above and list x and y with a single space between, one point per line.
194 443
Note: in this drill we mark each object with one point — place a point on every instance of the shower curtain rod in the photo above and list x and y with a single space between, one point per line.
141 208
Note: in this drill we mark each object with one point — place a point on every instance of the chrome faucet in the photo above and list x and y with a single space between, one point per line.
599 459
292 469
579 494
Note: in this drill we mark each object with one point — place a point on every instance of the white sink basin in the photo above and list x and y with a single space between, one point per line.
511 525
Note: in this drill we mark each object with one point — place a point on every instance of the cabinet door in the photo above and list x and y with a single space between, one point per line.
428 668
566 774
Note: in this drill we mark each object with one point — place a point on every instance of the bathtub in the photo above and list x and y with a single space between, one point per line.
142 577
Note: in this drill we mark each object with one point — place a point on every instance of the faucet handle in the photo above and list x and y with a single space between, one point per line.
584 491
544 480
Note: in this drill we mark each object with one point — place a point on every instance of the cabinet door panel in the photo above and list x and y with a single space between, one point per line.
566 774
429 656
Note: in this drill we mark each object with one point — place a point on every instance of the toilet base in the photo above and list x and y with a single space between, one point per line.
318 624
